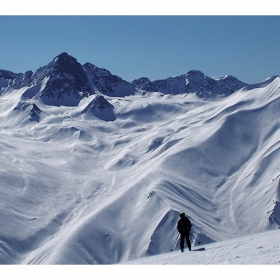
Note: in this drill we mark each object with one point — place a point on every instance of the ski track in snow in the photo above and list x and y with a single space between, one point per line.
79 190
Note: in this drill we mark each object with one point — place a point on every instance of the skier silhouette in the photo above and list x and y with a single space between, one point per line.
184 227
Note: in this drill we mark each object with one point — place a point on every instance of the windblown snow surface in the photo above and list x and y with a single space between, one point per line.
76 189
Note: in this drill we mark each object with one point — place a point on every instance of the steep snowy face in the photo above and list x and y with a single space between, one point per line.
104 82
192 82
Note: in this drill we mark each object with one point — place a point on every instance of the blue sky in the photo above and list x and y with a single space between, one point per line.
157 47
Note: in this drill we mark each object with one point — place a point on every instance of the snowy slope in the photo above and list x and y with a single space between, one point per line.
261 249
103 182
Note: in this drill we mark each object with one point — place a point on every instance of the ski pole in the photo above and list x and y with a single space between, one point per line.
194 238
175 241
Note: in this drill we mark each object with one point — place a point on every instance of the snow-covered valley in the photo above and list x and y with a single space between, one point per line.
102 178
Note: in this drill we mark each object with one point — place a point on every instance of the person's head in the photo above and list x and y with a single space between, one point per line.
182 214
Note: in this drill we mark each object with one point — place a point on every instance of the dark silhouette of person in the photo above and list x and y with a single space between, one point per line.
184 227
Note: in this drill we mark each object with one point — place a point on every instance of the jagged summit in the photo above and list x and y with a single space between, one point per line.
67 82
193 81
68 65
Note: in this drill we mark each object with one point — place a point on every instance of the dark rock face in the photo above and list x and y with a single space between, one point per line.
145 84
62 82
7 75
67 82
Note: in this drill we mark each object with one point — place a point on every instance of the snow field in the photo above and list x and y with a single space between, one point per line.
76 189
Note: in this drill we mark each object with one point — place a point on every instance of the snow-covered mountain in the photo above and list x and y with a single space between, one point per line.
192 82
64 82
95 178
104 82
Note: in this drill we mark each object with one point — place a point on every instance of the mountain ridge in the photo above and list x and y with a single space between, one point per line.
193 81
67 82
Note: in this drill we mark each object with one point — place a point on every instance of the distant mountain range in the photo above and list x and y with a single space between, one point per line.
64 81
192 82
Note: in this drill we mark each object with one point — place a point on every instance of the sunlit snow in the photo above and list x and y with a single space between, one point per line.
84 188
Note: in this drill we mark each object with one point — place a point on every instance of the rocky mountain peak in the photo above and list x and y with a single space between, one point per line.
195 76
67 81
66 64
